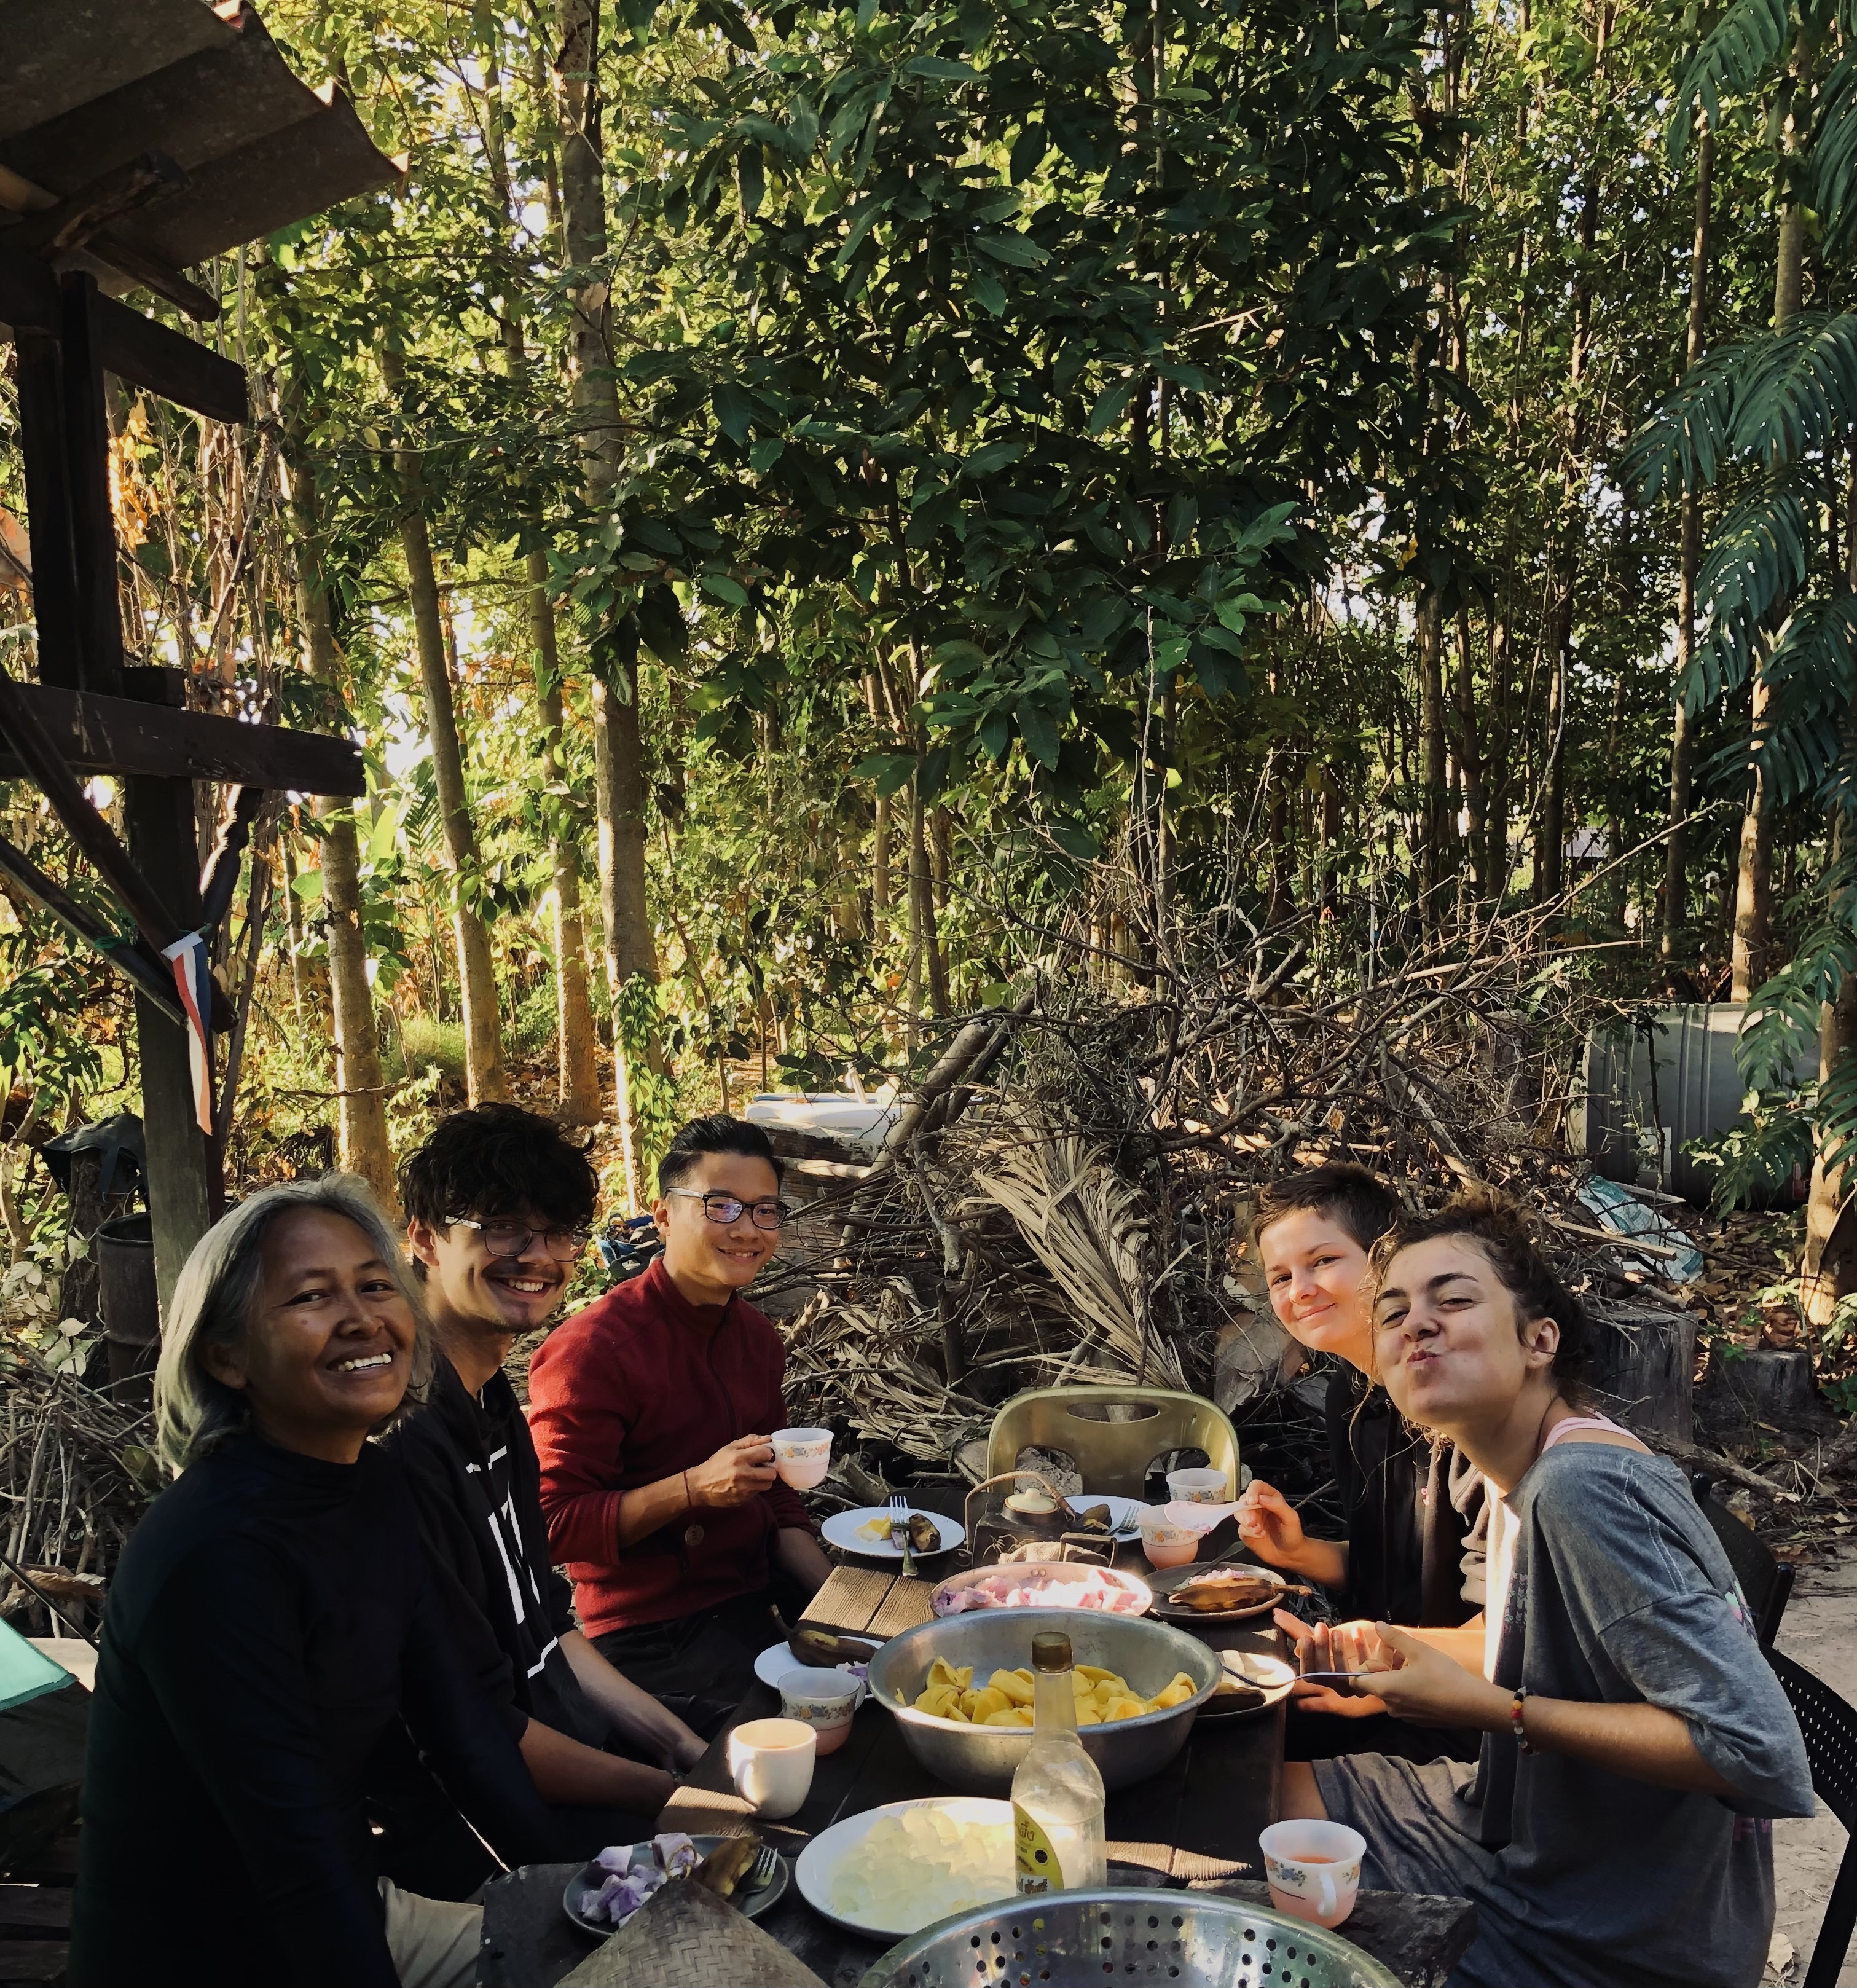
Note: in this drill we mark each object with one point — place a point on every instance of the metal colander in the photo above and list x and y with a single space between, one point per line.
1200 1939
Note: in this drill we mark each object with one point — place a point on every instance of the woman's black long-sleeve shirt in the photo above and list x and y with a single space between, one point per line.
1414 1513
271 1618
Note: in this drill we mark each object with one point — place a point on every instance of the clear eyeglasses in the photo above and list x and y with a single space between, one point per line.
510 1239
726 1208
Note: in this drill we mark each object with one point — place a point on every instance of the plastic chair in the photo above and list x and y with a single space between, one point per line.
1829 1725
1114 1433
1765 1582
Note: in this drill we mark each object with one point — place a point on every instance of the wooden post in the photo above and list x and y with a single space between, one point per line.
87 459
48 508
185 1191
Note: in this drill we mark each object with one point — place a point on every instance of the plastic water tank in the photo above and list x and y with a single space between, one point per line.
1647 1091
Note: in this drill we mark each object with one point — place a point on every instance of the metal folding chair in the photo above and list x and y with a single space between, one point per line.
1829 1724
1765 1582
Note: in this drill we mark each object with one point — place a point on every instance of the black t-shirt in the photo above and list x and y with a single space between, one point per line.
477 1487
270 1621
1413 1512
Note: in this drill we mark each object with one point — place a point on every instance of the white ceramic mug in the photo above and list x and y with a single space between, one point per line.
1166 1543
770 1761
1197 1487
824 1700
1314 1868
802 1456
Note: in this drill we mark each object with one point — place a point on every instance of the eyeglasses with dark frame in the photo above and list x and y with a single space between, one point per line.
511 1239
727 1208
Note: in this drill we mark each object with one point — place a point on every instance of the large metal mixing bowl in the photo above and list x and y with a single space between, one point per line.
1072 1937
980 1760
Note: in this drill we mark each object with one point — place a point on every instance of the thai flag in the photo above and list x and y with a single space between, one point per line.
193 982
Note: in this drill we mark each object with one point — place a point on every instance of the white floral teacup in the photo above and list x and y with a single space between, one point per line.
1314 1868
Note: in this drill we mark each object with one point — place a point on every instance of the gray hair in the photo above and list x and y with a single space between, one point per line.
216 1298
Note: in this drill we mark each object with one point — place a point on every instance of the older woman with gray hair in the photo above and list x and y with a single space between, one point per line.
269 1620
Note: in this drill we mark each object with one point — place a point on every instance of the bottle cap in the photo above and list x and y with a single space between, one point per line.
1051 1651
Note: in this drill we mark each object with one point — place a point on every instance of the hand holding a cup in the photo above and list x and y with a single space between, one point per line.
738 1471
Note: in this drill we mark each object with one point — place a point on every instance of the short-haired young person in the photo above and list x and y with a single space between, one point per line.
652 1410
498 1205
1615 1832
1413 1509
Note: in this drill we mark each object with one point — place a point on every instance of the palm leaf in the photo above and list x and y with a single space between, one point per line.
1735 57
1833 191
1757 558
1782 1017
1798 390
1691 434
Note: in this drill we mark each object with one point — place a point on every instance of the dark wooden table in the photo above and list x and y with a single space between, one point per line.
1196 1824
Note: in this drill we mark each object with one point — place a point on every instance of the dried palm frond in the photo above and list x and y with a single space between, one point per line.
1089 1229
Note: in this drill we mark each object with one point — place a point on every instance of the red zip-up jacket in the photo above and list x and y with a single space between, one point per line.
641 1385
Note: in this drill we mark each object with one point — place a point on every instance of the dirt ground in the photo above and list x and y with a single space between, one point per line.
1817 1632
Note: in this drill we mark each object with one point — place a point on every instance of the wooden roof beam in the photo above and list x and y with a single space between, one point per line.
133 347
127 735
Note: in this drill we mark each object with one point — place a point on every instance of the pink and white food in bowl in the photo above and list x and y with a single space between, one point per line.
1043 1584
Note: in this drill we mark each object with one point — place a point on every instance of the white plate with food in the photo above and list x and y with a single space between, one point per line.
892 1871
867 1530
1192 1594
1250 1682
1122 1524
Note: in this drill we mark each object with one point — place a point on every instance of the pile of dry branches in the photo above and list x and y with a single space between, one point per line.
75 1477
1082 1214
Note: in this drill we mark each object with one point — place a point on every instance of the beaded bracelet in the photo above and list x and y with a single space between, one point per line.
1515 1719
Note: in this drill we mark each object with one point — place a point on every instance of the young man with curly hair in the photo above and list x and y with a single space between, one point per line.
499 1206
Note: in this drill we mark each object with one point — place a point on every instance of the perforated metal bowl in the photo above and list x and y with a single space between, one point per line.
1199 1939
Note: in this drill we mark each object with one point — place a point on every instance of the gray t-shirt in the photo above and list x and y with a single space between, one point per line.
1583 1878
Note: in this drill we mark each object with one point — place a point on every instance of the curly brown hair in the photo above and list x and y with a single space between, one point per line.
1502 1231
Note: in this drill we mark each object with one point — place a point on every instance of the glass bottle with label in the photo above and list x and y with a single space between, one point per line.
1058 1841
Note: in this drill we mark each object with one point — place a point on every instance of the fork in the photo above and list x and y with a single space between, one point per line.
899 1532
760 1873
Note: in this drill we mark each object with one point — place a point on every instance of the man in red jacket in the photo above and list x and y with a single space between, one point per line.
651 1412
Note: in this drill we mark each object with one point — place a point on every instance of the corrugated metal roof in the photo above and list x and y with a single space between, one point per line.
88 85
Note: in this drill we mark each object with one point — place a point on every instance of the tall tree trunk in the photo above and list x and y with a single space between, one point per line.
880 831
485 1079
922 901
293 929
1616 878
631 952
1498 783
1550 828
577 1047
578 1088
360 1088
1470 754
1754 877
1829 1275
1676 846
1433 803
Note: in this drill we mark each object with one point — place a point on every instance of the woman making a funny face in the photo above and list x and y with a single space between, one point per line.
1412 1554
